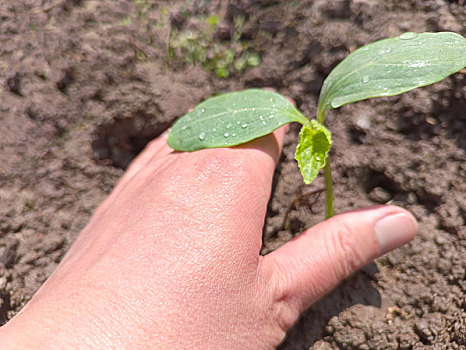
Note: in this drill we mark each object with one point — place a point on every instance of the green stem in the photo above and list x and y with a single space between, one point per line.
327 174
328 189
321 115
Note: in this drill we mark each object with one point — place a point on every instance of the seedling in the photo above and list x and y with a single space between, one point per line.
384 68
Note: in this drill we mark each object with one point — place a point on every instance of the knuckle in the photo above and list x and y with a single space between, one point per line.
346 250
286 306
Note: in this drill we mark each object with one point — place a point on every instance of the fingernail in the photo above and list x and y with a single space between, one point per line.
395 230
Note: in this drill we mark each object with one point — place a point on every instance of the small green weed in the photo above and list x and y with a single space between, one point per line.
198 46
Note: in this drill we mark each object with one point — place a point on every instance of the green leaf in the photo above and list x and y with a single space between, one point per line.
312 150
232 119
392 66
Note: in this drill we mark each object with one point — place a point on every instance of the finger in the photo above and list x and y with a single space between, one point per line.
313 263
222 191
155 148
270 145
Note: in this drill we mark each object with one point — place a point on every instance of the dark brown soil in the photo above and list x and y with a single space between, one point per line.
85 84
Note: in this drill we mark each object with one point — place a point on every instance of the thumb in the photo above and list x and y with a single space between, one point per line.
313 263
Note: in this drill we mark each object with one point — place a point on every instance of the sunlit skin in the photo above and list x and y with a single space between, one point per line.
170 260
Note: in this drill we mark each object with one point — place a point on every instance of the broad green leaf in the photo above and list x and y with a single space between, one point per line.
232 119
392 66
312 150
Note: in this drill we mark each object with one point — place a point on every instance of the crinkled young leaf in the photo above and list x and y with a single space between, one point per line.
312 150
231 119
392 66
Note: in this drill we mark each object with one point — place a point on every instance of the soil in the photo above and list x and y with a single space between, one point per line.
84 85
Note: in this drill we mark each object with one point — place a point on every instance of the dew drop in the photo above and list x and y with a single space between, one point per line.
226 134
253 109
244 125
228 126
202 136
365 48
203 110
271 99
385 50
262 120
184 127
271 116
318 158
238 122
233 134
280 123
408 36
365 79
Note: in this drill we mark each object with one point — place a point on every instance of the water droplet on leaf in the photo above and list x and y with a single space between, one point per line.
226 134
244 125
385 50
202 136
271 99
203 110
365 79
228 126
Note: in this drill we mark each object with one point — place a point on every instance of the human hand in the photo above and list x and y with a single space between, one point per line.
171 259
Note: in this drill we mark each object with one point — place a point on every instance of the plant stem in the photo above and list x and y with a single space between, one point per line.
327 174
321 115
328 189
